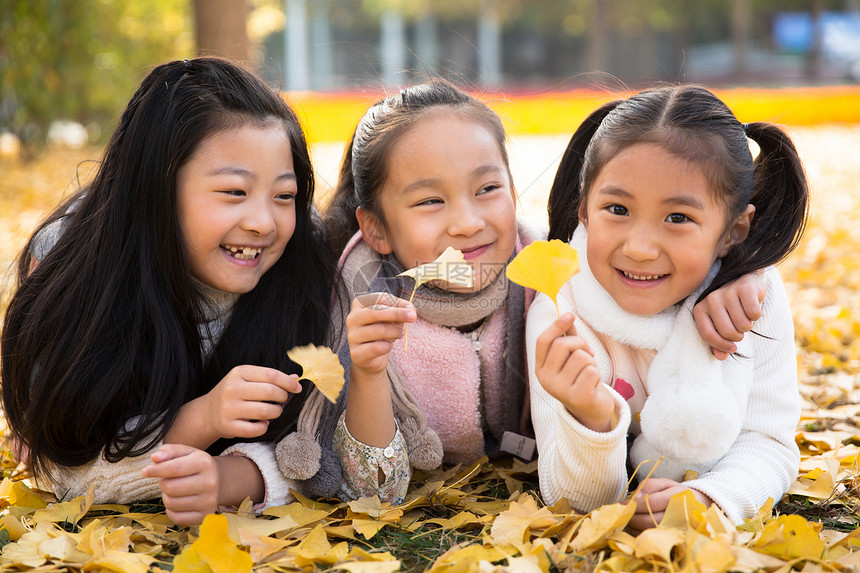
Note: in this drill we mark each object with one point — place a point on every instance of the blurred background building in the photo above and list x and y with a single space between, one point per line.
79 60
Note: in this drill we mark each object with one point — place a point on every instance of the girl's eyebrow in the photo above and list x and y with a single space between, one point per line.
242 172
435 181
681 200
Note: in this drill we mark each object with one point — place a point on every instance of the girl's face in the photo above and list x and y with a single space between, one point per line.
447 186
654 228
236 200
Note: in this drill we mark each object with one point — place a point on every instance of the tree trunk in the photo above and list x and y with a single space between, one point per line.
741 16
219 29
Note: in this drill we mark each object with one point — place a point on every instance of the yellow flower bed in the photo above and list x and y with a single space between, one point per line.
332 117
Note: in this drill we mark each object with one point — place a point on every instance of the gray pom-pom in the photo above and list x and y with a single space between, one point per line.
326 482
298 456
425 450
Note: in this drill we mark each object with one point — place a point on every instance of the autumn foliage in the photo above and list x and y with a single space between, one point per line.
489 516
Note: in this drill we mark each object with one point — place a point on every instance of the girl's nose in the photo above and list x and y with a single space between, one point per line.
258 219
465 221
641 245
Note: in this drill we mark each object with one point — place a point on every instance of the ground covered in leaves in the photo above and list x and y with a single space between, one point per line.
490 516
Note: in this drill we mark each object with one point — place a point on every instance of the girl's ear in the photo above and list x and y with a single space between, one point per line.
372 231
738 230
583 215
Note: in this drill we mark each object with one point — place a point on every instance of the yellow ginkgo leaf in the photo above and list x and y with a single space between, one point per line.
544 266
450 267
321 366
215 548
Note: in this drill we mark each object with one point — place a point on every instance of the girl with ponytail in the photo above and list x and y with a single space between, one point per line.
665 203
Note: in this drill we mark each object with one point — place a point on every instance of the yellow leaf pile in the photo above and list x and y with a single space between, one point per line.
544 266
321 366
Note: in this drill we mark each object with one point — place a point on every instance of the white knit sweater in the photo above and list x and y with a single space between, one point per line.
590 468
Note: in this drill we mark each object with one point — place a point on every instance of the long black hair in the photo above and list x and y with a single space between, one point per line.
100 346
692 123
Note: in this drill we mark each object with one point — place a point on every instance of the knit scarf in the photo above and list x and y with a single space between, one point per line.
696 404
501 305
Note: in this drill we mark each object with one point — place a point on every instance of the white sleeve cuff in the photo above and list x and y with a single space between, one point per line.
276 485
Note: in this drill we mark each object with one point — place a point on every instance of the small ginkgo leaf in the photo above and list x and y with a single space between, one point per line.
321 366
544 266
450 267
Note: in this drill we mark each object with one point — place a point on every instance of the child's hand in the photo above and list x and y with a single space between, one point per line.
565 367
652 500
244 401
729 312
374 322
189 482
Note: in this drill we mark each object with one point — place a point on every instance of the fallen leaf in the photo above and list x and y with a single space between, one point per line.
544 266
600 524
510 526
215 549
790 537
322 367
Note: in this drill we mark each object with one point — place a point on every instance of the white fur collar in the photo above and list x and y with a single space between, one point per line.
695 403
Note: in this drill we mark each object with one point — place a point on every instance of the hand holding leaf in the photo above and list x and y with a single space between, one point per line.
544 266
321 366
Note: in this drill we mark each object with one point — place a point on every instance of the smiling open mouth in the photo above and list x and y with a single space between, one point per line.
244 253
642 277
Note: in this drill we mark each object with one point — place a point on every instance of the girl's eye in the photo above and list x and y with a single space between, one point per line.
234 192
286 196
619 210
677 218
489 188
429 202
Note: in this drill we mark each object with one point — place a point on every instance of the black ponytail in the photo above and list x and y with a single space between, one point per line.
781 198
565 196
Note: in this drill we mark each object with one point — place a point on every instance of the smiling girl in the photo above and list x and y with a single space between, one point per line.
661 196
144 350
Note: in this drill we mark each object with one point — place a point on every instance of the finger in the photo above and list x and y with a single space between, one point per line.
398 315
751 306
655 485
188 487
705 325
373 332
643 521
379 301
185 518
171 451
557 329
264 391
260 412
248 428
560 351
263 374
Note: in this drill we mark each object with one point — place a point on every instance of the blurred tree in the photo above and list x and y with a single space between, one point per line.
220 28
80 59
